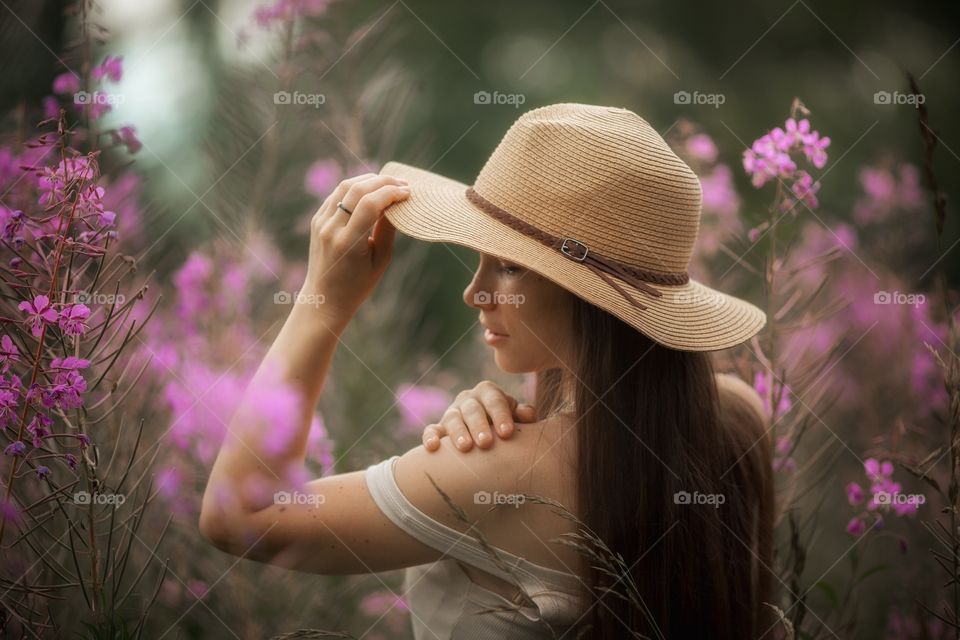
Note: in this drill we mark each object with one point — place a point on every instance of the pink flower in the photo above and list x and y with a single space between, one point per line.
770 156
719 193
701 147
39 312
16 449
321 177
761 383
814 149
51 108
68 383
884 193
421 406
877 471
128 137
855 493
66 83
190 281
98 104
9 403
72 318
8 353
198 588
856 527
111 68
804 188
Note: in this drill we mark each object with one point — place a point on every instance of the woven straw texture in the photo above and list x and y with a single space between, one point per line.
604 177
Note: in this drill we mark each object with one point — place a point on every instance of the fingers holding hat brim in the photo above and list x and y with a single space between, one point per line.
349 196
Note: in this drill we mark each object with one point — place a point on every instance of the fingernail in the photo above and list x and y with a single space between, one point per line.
482 436
432 441
504 428
461 441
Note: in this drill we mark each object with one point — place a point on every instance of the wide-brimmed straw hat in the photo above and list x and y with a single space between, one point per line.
594 199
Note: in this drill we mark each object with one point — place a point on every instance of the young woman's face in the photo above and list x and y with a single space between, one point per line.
525 317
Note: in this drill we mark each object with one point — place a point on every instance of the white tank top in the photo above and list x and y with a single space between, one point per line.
446 605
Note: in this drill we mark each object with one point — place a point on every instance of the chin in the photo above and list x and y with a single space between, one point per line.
510 365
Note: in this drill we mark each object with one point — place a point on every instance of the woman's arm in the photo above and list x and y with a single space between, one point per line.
259 456
254 505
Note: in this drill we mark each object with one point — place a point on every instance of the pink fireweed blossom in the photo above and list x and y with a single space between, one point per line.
8 354
68 384
128 137
854 493
420 406
321 177
761 382
39 311
805 189
774 157
702 147
72 318
9 403
39 428
111 68
66 83
885 496
13 228
16 449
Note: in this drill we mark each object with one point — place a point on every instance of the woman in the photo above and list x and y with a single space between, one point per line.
585 222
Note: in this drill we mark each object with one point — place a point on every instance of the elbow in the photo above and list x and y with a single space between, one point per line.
213 522
212 528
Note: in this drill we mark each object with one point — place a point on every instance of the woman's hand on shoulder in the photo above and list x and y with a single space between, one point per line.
475 415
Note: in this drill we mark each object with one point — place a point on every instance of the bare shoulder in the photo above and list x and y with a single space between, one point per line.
535 459
489 486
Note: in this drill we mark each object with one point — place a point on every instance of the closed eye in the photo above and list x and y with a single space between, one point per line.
509 269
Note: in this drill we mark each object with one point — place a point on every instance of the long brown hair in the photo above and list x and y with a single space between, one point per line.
651 424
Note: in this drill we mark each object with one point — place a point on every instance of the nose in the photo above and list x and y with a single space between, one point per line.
476 296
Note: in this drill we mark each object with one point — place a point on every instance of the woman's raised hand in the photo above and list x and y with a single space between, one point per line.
473 416
349 252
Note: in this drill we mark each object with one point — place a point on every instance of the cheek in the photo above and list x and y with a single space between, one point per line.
539 320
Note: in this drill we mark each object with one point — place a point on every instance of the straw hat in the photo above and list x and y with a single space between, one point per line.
595 200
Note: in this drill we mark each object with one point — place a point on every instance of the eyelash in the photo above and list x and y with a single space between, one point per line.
508 270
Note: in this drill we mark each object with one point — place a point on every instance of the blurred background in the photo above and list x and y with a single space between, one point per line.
235 119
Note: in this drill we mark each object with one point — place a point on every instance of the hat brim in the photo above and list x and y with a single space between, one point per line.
689 317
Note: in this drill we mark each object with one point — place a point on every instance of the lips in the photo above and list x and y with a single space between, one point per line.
493 331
